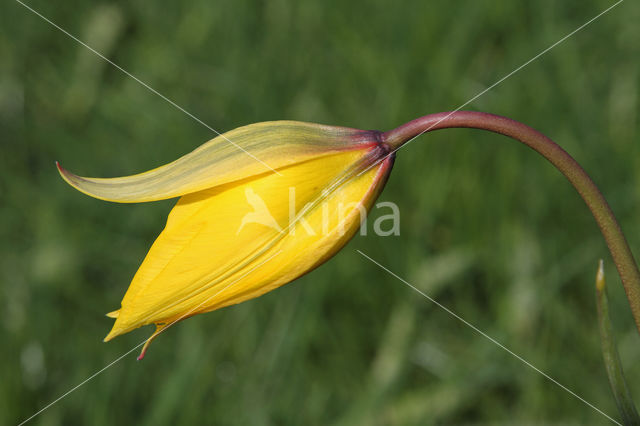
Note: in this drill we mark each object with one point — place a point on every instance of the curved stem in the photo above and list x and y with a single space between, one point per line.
620 251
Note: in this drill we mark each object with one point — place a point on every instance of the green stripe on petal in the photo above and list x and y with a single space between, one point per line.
240 153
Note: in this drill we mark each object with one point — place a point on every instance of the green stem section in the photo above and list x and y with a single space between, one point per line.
620 251
610 355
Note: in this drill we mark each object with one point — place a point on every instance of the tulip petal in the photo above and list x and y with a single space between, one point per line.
234 242
247 151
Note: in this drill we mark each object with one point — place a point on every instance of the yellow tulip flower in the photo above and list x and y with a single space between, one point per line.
241 229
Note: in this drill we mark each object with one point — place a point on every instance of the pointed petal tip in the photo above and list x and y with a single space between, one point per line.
113 314
61 169
88 185
67 176
113 333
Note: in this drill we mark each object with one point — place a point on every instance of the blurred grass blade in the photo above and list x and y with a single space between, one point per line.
610 354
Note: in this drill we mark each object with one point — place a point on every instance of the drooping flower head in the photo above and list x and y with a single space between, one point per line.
259 207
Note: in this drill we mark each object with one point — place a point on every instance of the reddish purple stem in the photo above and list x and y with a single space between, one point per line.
620 251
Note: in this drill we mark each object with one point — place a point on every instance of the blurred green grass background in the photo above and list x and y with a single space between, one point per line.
487 228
